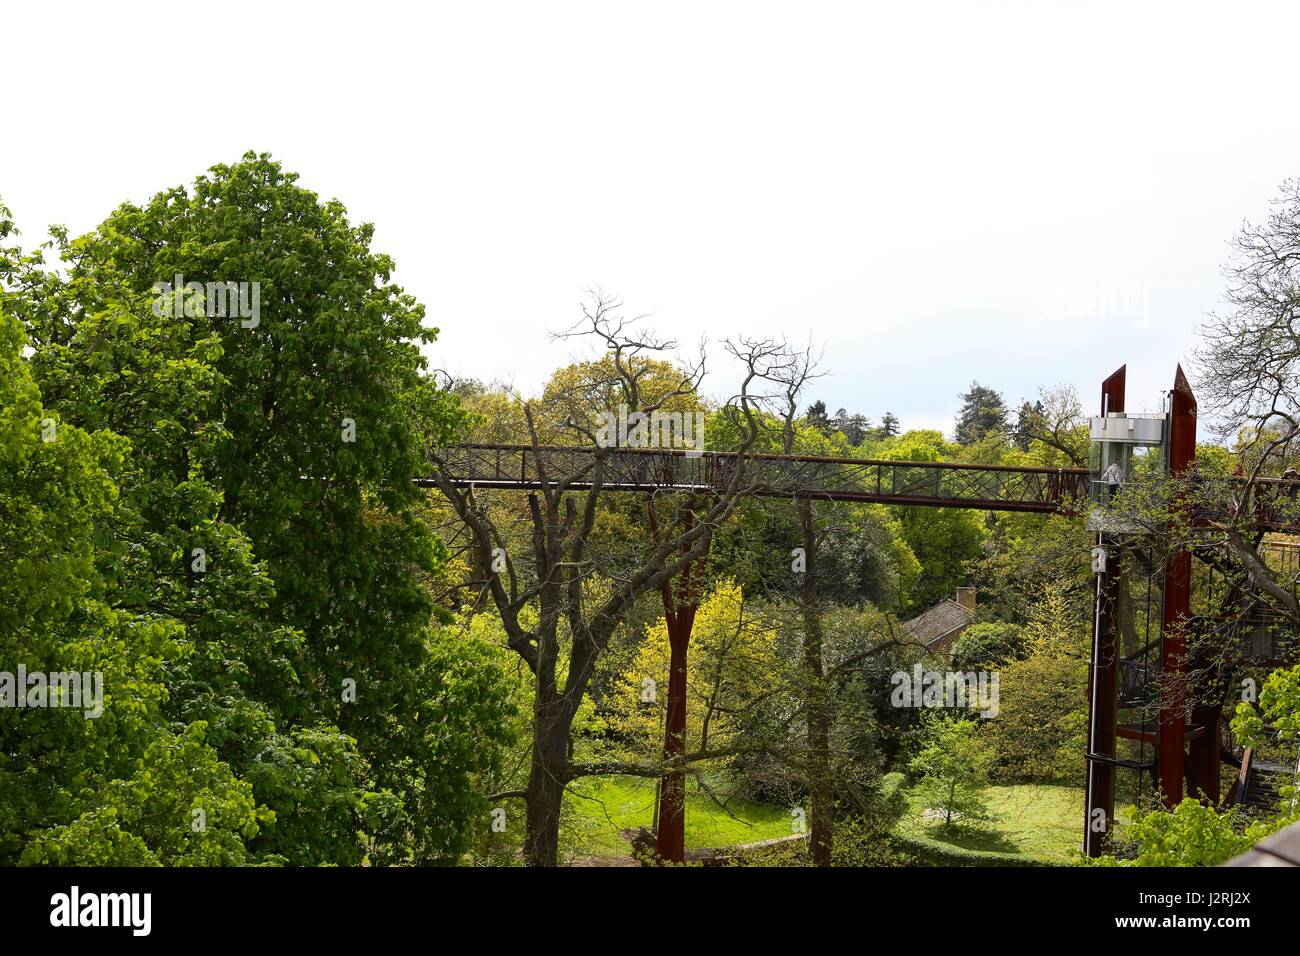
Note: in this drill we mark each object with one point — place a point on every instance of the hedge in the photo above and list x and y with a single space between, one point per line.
933 853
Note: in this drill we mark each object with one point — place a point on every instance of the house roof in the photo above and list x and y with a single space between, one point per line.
939 622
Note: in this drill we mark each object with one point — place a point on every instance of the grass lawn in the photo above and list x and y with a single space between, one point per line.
1035 820
602 806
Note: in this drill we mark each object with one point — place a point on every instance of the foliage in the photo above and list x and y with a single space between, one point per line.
279 451
863 559
731 664
182 807
983 414
1279 707
1026 553
115 788
889 426
987 645
1191 834
577 395
943 541
951 765
1038 733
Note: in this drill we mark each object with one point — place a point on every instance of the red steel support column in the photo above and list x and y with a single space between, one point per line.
1103 672
671 845
679 615
1204 753
1171 733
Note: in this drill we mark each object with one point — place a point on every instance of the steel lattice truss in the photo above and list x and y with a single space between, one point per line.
939 484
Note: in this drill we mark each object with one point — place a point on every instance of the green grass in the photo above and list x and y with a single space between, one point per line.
602 806
1038 821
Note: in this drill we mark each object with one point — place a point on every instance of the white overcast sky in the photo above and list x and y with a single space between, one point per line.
1021 193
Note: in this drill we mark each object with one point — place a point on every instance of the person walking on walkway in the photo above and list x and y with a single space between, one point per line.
1113 477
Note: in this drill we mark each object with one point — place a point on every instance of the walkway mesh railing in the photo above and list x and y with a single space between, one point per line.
941 484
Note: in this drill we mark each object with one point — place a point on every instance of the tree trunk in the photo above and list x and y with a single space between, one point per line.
546 780
671 845
821 813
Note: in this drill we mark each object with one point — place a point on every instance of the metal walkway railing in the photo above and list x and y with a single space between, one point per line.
939 484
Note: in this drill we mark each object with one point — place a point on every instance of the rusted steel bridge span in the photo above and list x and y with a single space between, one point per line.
937 484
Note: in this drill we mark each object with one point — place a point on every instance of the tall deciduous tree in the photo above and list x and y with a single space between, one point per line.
92 772
792 376
276 434
562 601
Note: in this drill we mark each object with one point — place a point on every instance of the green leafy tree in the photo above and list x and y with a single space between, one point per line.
987 644
951 765
1039 732
117 787
279 446
153 379
184 807
942 540
731 666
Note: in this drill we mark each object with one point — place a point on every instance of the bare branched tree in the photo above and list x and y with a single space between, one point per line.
579 596
1250 360
797 368
1057 422
1249 374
